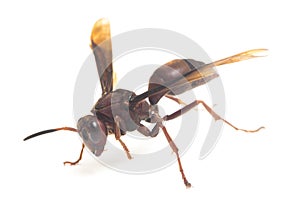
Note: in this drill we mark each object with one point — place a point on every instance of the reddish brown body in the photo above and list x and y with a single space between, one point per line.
120 103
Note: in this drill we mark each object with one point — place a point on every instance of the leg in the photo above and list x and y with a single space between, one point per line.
146 132
177 100
118 137
153 133
77 161
175 149
213 114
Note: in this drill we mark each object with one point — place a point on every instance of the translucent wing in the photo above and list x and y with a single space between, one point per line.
198 74
207 70
102 49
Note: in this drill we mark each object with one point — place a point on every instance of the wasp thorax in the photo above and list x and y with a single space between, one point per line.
93 133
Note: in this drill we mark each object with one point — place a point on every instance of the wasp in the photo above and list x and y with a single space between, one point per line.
120 111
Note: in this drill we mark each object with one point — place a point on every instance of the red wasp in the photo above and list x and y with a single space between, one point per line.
119 111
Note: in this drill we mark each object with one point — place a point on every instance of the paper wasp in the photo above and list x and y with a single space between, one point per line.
119 111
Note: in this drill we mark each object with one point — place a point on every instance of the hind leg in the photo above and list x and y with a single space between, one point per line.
209 110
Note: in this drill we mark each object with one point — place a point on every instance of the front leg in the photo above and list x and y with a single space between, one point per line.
79 159
118 136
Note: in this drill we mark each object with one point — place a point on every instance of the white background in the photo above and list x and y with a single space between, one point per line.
43 46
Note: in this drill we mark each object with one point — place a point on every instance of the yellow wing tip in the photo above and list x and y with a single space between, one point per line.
100 31
257 52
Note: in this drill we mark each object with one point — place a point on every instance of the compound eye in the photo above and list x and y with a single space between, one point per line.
85 135
94 135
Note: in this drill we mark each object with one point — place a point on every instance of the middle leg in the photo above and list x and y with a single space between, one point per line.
175 150
153 133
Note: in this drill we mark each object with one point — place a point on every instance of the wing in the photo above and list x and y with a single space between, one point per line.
102 49
200 73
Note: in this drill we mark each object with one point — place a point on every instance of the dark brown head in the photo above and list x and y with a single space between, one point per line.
93 133
91 130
